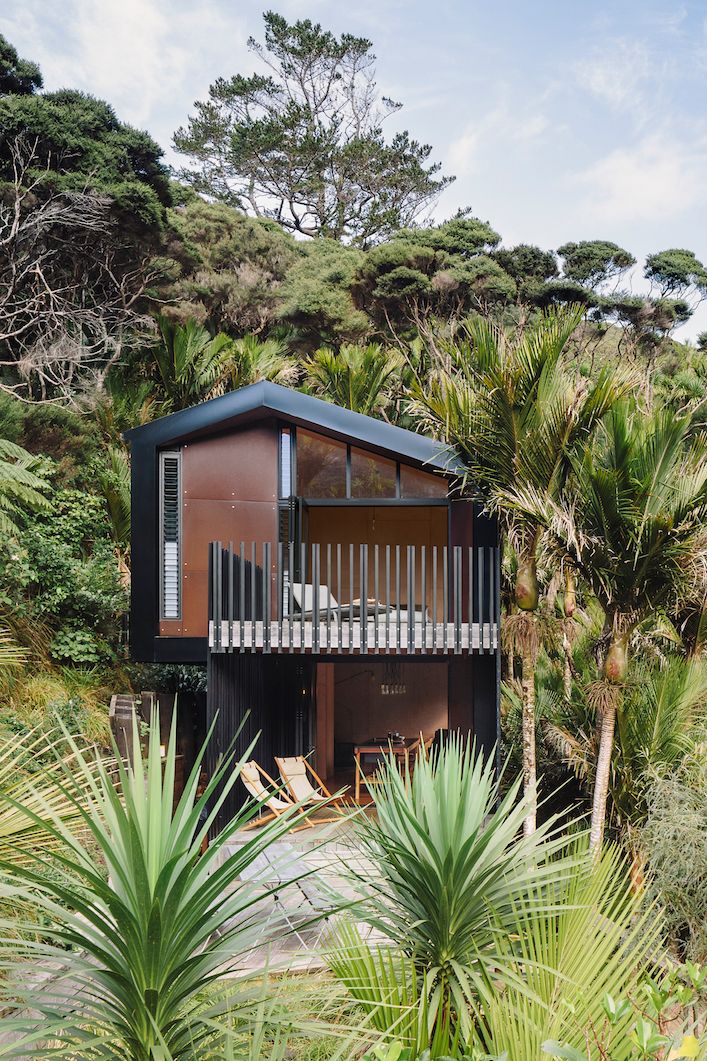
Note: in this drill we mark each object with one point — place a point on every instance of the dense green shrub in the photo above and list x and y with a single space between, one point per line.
63 572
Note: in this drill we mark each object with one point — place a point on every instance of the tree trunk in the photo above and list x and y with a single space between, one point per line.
567 671
601 784
530 773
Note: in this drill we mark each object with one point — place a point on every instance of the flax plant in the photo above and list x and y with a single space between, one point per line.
449 865
144 951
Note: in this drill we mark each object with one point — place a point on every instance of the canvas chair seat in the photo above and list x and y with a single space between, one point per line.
295 772
303 595
250 776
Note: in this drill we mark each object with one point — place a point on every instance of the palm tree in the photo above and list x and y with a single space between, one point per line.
189 361
356 377
631 521
515 414
250 359
22 486
193 365
114 483
656 728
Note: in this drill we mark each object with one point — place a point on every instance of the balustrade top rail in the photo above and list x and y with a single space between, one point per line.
307 597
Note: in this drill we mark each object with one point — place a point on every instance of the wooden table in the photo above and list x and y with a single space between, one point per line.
400 749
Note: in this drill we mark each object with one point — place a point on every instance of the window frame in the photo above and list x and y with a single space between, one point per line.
398 499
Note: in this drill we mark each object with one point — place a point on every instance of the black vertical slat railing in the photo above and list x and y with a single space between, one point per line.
286 597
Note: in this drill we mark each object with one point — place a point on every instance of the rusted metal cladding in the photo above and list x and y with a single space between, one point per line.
229 494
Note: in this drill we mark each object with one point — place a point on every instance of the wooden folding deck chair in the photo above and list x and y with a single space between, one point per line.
295 772
273 798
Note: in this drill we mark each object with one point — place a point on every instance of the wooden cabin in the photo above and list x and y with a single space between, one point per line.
324 565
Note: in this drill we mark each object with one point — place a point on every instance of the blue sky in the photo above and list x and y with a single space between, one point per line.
561 120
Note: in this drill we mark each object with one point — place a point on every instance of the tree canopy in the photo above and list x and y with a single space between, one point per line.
79 145
303 142
19 76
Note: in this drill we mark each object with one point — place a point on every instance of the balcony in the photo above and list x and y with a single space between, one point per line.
353 599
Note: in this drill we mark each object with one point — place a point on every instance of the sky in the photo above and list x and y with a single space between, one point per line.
561 120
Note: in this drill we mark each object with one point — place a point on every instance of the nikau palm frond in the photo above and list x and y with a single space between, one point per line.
599 938
189 361
633 522
115 487
355 377
250 359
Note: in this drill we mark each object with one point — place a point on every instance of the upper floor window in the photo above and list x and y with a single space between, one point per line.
372 475
170 536
416 483
321 468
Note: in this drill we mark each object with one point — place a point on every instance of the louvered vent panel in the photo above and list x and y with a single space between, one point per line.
171 545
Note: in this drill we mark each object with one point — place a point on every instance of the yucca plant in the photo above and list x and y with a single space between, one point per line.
448 868
144 934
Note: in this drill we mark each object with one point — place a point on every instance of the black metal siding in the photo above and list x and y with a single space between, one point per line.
272 699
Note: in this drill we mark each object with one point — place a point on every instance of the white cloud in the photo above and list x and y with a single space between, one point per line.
149 59
501 125
656 178
463 153
616 73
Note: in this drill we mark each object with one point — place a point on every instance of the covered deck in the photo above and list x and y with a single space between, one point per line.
334 598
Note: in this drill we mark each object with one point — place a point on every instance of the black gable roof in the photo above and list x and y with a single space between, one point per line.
264 399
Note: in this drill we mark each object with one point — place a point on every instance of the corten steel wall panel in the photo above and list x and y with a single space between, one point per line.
170 627
229 493
239 466
224 521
